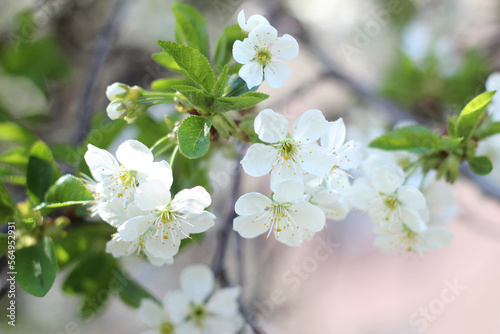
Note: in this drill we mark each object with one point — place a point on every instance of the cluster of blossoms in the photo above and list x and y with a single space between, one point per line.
309 180
258 52
124 102
132 193
195 308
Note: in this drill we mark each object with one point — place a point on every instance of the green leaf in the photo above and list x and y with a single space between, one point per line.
471 114
95 277
14 133
7 175
491 130
200 100
224 125
480 165
247 100
221 83
40 172
36 267
191 28
224 49
451 143
194 136
68 188
7 205
165 85
452 126
17 157
4 244
132 293
417 139
167 61
239 87
196 65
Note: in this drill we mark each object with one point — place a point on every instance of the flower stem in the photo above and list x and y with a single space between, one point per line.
174 154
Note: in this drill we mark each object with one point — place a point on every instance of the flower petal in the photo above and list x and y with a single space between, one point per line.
191 201
289 235
386 179
286 169
252 226
112 212
160 171
188 328
243 51
276 73
151 313
117 247
309 126
316 160
251 204
100 162
270 126
285 48
412 220
436 237
259 159
252 73
288 190
152 195
133 228
223 325
389 243
197 223
163 248
334 136
197 282
134 155
157 261
176 303
225 302
306 215
411 197
263 36
349 156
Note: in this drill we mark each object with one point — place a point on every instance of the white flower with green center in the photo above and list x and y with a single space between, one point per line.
164 222
118 179
347 156
195 308
391 205
288 214
257 54
288 156
253 22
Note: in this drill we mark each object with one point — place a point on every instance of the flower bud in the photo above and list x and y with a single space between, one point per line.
117 91
116 110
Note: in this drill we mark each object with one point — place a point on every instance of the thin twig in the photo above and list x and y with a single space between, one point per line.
102 47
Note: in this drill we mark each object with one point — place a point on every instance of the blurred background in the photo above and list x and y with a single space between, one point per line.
374 63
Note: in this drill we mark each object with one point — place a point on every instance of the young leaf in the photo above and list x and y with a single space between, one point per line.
12 132
247 100
451 143
493 129
196 65
36 267
224 49
41 171
194 136
167 61
191 28
131 292
165 85
224 125
199 99
7 205
68 190
452 125
471 114
480 165
239 87
221 83
417 139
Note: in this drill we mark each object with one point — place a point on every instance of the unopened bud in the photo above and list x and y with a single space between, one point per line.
117 91
116 110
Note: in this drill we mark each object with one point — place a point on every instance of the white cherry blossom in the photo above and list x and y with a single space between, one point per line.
288 156
118 178
164 222
288 214
258 52
253 21
117 91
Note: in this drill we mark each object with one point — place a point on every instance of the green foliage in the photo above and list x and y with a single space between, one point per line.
451 143
7 205
167 61
224 49
221 83
480 165
36 267
196 65
191 28
132 293
41 171
15 133
469 117
224 125
241 102
489 130
4 244
200 100
194 136
68 190
416 139
166 85
239 87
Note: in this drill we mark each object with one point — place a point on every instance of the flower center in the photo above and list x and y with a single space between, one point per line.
287 149
167 328
391 203
263 56
128 177
198 314
280 213
168 224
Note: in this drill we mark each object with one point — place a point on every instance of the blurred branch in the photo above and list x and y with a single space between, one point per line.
103 44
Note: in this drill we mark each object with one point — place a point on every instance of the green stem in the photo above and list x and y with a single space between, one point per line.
160 141
174 154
